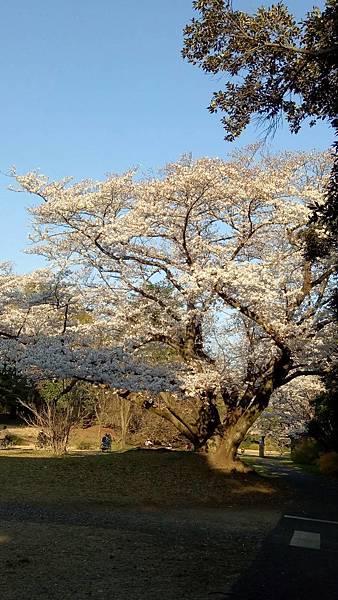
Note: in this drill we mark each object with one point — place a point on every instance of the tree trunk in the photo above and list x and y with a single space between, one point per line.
221 451
218 441
221 448
125 416
225 456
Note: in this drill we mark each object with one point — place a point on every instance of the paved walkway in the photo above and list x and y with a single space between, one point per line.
299 558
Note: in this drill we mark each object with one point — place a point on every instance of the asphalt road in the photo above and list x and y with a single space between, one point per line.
299 558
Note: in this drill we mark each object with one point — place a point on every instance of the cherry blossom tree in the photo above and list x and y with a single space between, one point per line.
51 335
49 328
199 277
290 410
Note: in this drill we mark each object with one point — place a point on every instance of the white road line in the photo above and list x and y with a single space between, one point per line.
305 539
308 519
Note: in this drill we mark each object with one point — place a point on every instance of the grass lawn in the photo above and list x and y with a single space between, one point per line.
262 469
133 478
287 461
63 536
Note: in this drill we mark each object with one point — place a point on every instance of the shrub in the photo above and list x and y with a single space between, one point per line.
10 439
324 426
250 442
84 445
306 451
42 441
16 440
328 463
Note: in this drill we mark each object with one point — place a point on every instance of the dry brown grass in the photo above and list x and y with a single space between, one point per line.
133 478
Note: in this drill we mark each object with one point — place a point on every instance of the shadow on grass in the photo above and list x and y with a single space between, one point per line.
133 478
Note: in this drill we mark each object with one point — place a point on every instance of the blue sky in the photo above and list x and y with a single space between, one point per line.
91 86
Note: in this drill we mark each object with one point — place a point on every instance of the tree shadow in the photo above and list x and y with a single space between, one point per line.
148 523
133 478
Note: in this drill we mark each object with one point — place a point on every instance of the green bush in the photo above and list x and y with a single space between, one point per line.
324 426
328 463
15 439
250 442
306 452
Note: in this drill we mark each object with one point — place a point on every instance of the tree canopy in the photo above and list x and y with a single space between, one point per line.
275 65
194 283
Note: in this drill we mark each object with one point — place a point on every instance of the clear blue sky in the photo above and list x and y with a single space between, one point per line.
91 86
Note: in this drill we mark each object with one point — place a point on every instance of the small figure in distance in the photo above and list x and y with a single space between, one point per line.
106 443
7 439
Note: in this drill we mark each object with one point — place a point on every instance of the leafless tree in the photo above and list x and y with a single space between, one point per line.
55 417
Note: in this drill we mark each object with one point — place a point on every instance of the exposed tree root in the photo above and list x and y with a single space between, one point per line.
228 465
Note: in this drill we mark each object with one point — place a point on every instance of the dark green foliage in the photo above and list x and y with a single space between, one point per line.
276 66
324 425
326 216
306 451
13 388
